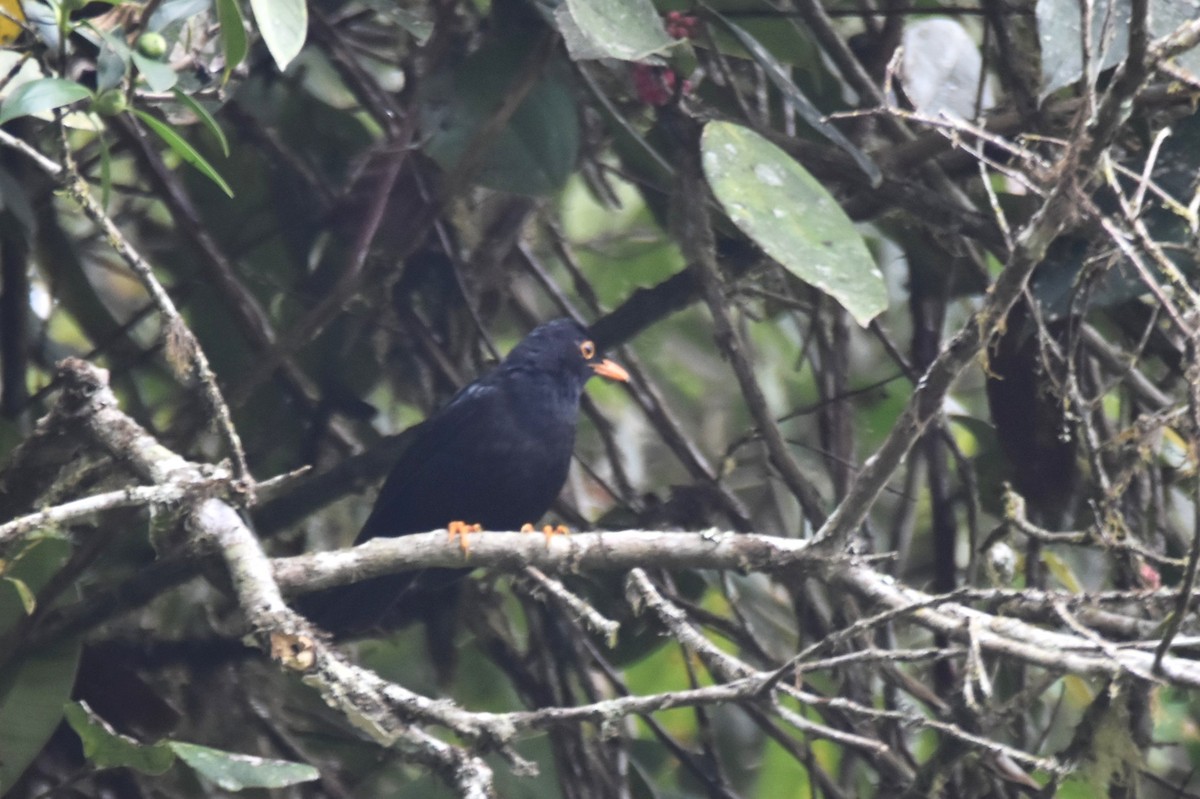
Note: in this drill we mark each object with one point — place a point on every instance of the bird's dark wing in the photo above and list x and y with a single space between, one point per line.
479 460
482 459
440 440
405 505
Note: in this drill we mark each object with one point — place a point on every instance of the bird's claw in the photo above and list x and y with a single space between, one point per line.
459 530
551 531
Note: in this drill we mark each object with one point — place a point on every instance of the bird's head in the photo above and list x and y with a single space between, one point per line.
563 348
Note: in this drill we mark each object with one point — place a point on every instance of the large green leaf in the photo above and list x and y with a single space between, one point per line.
1070 259
44 94
32 692
235 772
112 62
284 27
33 687
107 748
780 75
629 30
535 152
1166 16
184 150
792 217
233 34
206 118
159 75
1060 23
32 565
171 11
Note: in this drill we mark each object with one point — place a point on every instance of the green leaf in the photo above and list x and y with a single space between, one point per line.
159 75
1062 571
40 95
38 560
184 150
34 685
233 34
172 11
420 28
205 118
1059 23
28 601
1166 16
33 689
112 62
283 25
234 772
107 748
629 30
783 208
417 22
780 75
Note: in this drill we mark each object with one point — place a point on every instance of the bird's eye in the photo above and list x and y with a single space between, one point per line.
588 350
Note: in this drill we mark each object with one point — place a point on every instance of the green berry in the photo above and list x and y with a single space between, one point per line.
110 103
152 45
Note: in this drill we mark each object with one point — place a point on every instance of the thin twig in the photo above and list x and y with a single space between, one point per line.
698 246
591 618
181 342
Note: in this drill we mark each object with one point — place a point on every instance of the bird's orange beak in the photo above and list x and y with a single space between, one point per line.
612 370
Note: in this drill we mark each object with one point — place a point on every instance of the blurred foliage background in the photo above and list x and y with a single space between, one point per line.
359 205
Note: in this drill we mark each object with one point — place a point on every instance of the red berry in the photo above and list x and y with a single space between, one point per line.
680 25
654 85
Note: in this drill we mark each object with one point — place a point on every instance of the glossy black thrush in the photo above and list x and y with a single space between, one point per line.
496 455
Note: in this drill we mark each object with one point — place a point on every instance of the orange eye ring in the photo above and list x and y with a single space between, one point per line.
588 350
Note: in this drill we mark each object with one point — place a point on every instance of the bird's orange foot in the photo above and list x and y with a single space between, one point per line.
551 531
459 530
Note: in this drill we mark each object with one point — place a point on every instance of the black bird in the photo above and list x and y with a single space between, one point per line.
496 455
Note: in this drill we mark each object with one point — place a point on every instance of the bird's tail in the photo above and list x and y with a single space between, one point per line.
385 604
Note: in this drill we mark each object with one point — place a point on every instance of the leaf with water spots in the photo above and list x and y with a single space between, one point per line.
783 208
630 30
283 25
1059 26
